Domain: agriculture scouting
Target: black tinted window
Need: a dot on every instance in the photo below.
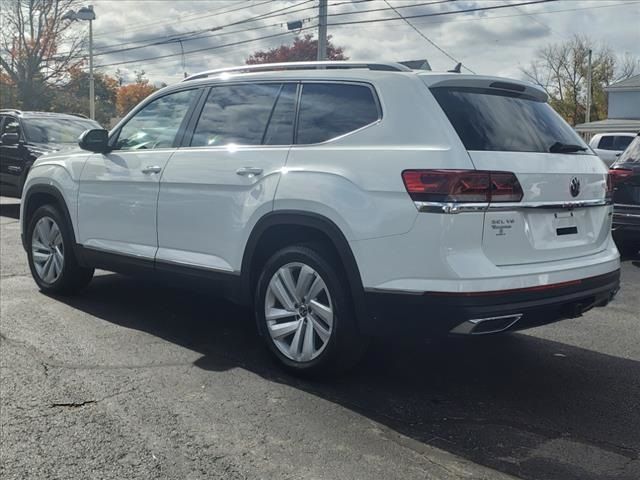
(157, 124)
(499, 121)
(606, 143)
(280, 129)
(56, 130)
(11, 125)
(236, 114)
(330, 110)
(621, 142)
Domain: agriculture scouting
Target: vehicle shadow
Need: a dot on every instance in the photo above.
(505, 402)
(10, 210)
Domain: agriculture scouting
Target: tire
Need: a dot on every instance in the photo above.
(326, 340)
(50, 240)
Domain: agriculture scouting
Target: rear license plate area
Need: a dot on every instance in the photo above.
(565, 223)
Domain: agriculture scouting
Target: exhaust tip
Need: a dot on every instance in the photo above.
(483, 326)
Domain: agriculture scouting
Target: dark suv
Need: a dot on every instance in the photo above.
(24, 136)
(625, 175)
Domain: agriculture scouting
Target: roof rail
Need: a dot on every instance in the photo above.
(13, 110)
(265, 67)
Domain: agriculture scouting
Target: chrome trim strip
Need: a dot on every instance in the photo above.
(626, 205)
(453, 207)
(116, 252)
(196, 266)
(631, 215)
(160, 260)
(468, 326)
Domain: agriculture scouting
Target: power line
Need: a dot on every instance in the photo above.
(185, 18)
(437, 14)
(427, 38)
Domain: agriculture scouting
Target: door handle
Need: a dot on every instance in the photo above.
(249, 171)
(151, 169)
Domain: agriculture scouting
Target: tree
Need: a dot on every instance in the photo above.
(561, 70)
(129, 96)
(72, 96)
(303, 49)
(32, 33)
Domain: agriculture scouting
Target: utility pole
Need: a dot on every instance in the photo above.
(322, 31)
(92, 93)
(587, 117)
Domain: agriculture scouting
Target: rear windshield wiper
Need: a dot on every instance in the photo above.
(560, 147)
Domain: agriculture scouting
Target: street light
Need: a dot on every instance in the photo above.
(87, 13)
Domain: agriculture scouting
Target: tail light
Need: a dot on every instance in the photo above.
(618, 175)
(462, 186)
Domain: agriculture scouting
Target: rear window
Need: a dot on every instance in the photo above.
(606, 143)
(632, 153)
(621, 142)
(503, 121)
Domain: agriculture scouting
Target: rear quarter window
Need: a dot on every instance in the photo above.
(329, 110)
(499, 120)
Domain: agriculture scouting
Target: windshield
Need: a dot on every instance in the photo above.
(631, 154)
(56, 129)
(486, 119)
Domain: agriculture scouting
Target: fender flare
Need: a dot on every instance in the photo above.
(312, 220)
(49, 190)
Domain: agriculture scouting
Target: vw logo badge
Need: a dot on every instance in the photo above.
(574, 187)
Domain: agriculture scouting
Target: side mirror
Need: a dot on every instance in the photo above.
(95, 140)
(10, 138)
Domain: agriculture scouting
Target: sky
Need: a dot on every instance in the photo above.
(493, 42)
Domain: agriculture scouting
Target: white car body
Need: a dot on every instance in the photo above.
(609, 146)
(197, 210)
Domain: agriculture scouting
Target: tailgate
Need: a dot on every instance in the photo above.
(543, 228)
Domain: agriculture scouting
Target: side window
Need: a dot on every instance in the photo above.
(10, 125)
(329, 110)
(280, 129)
(157, 124)
(236, 114)
(621, 142)
(606, 143)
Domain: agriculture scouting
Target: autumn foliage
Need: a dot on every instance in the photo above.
(129, 96)
(304, 49)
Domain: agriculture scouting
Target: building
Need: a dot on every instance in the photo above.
(623, 111)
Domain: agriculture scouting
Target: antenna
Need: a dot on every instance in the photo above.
(456, 69)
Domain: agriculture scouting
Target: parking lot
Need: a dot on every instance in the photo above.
(134, 379)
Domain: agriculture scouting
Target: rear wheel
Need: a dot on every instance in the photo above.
(304, 311)
(52, 261)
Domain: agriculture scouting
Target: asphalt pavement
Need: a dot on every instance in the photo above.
(134, 379)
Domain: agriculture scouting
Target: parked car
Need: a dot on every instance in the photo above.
(609, 146)
(339, 203)
(24, 136)
(625, 176)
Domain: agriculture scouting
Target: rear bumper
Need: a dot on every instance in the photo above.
(438, 313)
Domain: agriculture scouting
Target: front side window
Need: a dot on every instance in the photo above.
(157, 124)
(238, 114)
(329, 110)
(490, 120)
(58, 130)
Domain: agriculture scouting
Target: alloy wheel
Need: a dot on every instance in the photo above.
(47, 250)
(299, 312)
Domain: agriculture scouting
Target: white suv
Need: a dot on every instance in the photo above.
(339, 202)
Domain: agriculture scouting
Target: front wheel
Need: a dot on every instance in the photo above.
(304, 311)
(52, 262)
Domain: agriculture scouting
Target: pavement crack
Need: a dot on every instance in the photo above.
(73, 404)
